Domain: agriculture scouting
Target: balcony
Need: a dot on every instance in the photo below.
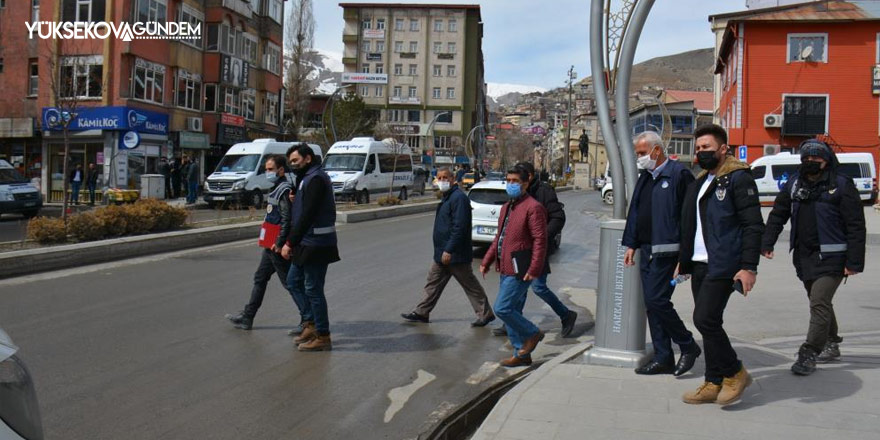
(346, 38)
(446, 56)
(241, 7)
(349, 60)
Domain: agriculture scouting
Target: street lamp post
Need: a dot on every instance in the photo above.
(468, 138)
(431, 131)
(571, 77)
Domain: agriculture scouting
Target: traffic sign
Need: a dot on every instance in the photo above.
(743, 153)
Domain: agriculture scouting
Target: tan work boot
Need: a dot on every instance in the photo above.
(705, 393)
(318, 343)
(307, 334)
(732, 387)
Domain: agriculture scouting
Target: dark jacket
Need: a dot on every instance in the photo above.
(546, 196)
(526, 230)
(839, 222)
(731, 217)
(452, 227)
(82, 176)
(313, 208)
(92, 178)
(192, 172)
(667, 199)
(279, 213)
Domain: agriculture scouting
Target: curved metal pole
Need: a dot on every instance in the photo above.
(468, 138)
(597, 61)
(324, 116)
(627, 55)
(431, 130)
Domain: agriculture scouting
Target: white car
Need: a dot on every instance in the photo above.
(607, 193)
(19, 412)
(486, 200)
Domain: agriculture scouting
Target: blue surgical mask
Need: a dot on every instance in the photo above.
(513, 189)
(272, 177)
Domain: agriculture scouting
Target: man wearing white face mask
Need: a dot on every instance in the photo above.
(453, 255)
(653, 227)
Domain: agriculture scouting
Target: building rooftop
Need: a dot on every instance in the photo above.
(408, 6)
(703, 101)
(828, 10)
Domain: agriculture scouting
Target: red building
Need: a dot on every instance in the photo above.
(792, 72)
(194, 96)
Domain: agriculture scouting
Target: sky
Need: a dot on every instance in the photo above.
(534, 42)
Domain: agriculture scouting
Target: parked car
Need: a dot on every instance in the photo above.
(495, 175)
(19, 412)
(467, 180)
(364, 166)
(607, 193)
(772, 172)
(486, 200)
(17, 194)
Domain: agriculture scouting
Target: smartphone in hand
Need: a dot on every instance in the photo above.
(738, 286)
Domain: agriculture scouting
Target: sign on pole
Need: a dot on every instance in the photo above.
(743, 153)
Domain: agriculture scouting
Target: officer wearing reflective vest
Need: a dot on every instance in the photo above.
(654, 226)
(827, 242)
(311, 245)
(274, 233)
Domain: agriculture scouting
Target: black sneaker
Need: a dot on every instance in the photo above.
(830, 353)
(246, 323)
(500, 331)
(296, 331)
(235, 319)
(805, 364)
(414, 317)
(568, 323)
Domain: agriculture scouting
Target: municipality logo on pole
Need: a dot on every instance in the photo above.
(101, 30)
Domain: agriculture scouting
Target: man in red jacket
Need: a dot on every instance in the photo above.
(518, 251)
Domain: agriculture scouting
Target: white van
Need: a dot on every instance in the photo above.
(17, 194)
(241, 174)
(364, 166)
(772, 172)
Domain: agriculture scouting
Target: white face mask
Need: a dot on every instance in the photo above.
(443, 185)
(646, 163)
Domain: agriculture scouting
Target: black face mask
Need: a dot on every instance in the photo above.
(810, 168)
(707, 160)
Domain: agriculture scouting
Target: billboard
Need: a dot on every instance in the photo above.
(234, 71)
(364, 78)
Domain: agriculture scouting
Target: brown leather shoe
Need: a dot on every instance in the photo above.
(732, 387)
(705, 393)
(530, 344)
(318, 343)
(514, 361)
(307, 335)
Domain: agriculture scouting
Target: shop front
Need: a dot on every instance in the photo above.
(194, 145)
(21, 146)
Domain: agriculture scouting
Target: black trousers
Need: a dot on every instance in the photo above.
(663, 321)
(270, 263)
(710, 300)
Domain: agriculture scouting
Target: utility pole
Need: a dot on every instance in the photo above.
(571, 76)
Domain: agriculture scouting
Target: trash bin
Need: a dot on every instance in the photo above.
(153, 186)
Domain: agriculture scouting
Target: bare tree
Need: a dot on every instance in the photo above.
(513, 146)
(396, 146)
(300, 36)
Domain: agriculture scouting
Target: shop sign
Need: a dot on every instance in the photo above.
(106, 118)
(405, 129)
(193, 141)
(228, 119)
(374, 57)
(374, 33)
(129, 141)
(364, 78)
(230, 134)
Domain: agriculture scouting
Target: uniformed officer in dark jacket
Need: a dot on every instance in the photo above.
(827, 243)
(311, 245)
(654, 226)
(453, 255)
(721, 247)
(277, 213)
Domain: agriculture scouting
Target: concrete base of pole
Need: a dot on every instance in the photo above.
(617, 358)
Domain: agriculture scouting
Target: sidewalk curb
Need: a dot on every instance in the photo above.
(364, 215)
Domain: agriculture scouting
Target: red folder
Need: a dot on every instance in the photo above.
(268, 234)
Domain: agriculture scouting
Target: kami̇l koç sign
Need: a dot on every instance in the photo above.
(106, 118)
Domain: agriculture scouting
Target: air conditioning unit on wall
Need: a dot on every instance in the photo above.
(194, 124)
(770, 150)
(772, 120)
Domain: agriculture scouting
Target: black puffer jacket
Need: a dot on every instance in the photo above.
(546, 196)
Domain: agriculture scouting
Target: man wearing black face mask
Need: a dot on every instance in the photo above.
(720, 245)
(827, 241)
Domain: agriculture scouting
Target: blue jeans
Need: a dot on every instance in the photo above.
(306, 284)
(508, 307)
(539, 286)
(192, 191)
(74, 191)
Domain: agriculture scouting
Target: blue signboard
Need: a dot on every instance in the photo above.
(743, 153)
(107, 118)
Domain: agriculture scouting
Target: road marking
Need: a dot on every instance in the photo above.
(482, 373)
(399, 396)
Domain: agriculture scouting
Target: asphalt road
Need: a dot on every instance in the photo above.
(140, 349)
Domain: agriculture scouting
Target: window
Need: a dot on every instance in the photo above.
(213, 37)
(413, 25)
(412, 92)
(380, 24)
(450, 70)
(398, 46)
(365, 91)
(367, 24)
(366, 46)
(397, 91)
(82, 77)
(450, 93)
(210, 97)
(228, 37)
(398, 69)
(682, 124)
(413, 115)
(807, 47)
(365, 68)
(249, 104)
(148, 10)
(681, 147)
(438, 47)
(441, 142)
(395, 115)
(401, 163)
(272, 58)
(380, 91)
(149, 81)
(413, 69)
(380, 68)
(413, 47)
(450, 48)
(438, 25)
(445, 117)
(398, 24)
(437, 70)
(380, 46)
(33, 77)
(249, 45)
(271, 116)
(783, 171)
(759, 172)
(189, 90)
(804, 115)
(276, 10)
(231, 100)
(453, 25)
(436, 93)
(194, 17)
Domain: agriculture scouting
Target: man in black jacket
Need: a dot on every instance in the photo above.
(92, 183)
(271, 262)
(453, 255)
(827, 241)
(720, 246)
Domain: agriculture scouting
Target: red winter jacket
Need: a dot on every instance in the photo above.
(526, 229)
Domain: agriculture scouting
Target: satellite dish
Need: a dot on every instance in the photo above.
(806, 52)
